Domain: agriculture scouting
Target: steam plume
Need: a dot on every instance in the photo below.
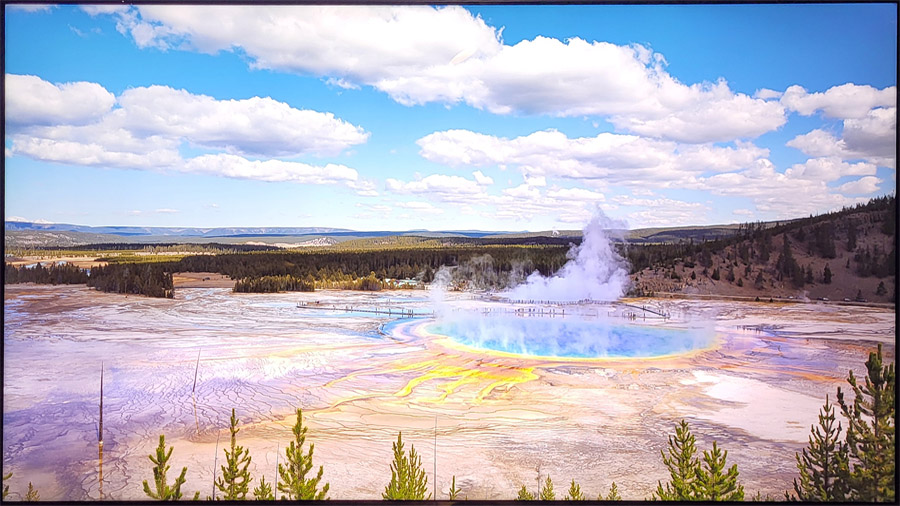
(594, 271)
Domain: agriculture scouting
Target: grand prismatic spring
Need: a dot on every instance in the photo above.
(494, 392)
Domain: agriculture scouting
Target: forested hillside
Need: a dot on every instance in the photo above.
(849, 254)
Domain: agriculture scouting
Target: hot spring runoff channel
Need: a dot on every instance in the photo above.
(568, 338)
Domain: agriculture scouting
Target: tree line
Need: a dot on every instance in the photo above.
(858, 468)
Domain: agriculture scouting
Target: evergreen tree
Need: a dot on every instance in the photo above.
(851, 236)
(546, 493)
(881, 290)
(574, 493)
(163, 491)
(613, 494)
(682, 464)
(524, 495)
(263, 492)
(293, 483)
(32, 494)
(827, 275)
(715, 275)
(454, 492)
(870, 433)
(235, 479)
(823, 464)
(408, 480)
(715, 484)
(6, 477)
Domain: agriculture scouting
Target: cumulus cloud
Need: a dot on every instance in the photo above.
(238, 167)
(701, 114)
(862, 186)
(256, 126)
(32, 101)
(828, 169)
(439, 186)
(779, 195)
(420, 207)
(84, 124)
(662, 211)
(95, 10)
(767, 94)
(423, 54)
(872, 137)
(30, 7)
(843, 102)
(611, 158)
(482, 179)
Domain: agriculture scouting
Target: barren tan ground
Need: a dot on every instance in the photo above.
(502, 420)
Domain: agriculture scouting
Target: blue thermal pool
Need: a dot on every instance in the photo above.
(558, 337)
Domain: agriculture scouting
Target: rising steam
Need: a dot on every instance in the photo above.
(594, 271)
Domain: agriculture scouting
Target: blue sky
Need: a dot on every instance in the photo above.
(483, 117)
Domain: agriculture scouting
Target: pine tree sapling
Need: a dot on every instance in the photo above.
(163, 491)
(263, 491)
(524, 495)
(546, 492)
(823, 465)
(32, 494)
(870, 432)
(682, 465)
(293, 483)
(613, 493)
(408, 479)
(454, 492)
(235, 479)
(713, 482)
(6, 478)
(574, 493)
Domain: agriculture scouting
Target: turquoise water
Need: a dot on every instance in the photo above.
(557, 337)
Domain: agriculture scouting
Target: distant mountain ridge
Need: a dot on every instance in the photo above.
(38, 234)
(171, 231)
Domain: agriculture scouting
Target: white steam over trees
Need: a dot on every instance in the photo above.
(594, 271)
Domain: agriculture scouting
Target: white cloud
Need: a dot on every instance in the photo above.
(701, 114)
(166, 211)
(269, 170)
(576, 194)
(843, 102)
(662, 211)
(256, 126)
(149, 125)
(611, 158)
(482, 179)
(862, 186)
(742, 212)
(30, 100)
(767, 94)
(872, 137)
(420, 207)
(78, 121)
(422, 54)
(781, 196)
(95, 10)
(828, 169)
(30, 7)
(439, 186)
(82, 151)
